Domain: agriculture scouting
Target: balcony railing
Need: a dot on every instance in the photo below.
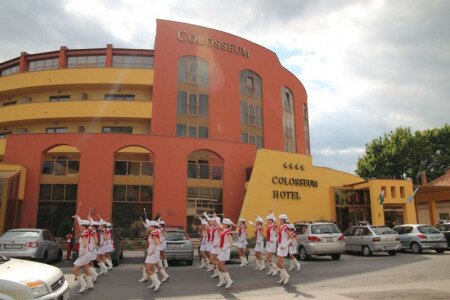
(205, 171)
(133, 168)
(60, 167)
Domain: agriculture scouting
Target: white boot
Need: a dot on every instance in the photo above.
(94, 274)
(152, 281)
(109, 263)
(291, 264)
(164, 274)
(245, 260)
(297, 264)
(241, 258)
(216, 272)
(90, 284)
(83, 284)
(258, 265)
(286, 276)
(281, 277)
(103, 268)
(270, 268)
(210, 266)
(275, 268)
(165, 264)
(221, 279)
(156, 281)
(144, 276)
(261, 263)
(203, 264)
(228, 280)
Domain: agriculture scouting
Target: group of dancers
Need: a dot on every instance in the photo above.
(217, 238)
(95, 244)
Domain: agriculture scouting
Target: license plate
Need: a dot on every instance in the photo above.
(10, 246)
(329, 239)
(175, 246)
(389, 248)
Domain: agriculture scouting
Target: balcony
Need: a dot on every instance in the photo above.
(75, 110)
(30, 82)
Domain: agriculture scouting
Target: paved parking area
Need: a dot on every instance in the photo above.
(405, 276)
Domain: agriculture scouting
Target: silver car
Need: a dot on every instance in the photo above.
(179, 246)
(31, 243)
(320, 239)
(21, 279)
(369, 239)
(419, 237)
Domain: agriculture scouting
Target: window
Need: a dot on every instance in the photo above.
(287, 101)
(192, 131)
(181, 130)
(306, 121)
(86, 61)
(60, 166)
(117, 129)
(59, 98)
(251, 109)
(44, 64)
(4, 134)
(132, 193)
(192, 70)
(182, 103)
(56, 130)
(119, 97)
(393, 194)
(58, 192)
(10, 70)
(128, 61)
(130, 168)
(402, 192)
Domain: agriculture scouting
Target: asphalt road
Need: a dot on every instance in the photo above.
(405, 276)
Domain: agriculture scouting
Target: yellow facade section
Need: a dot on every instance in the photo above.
(396, 194)
(38, 112)
(76, 79)
(2, 147)
(8, 171)
(289, 183)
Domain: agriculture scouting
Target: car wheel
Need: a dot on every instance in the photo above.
(392, 253)
(303, 254)
(45, 257)
(439, 250)
(336, 256)
(59, 257)
(189, 262)
(416, 248)
(366, 251)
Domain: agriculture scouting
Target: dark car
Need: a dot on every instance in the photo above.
(445, 229)
(179, 246)
(117, 253)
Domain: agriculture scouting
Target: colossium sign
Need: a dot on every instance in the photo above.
(183, 36)
(291, 181)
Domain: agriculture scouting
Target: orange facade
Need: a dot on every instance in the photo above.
(227, 56)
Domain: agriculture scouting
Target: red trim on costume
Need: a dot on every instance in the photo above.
(223, 235)
(280, 230)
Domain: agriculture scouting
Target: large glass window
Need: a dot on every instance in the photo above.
(117, 129)
(93, 61)
(59, 98)
(10, 70)
(56, 130)
(306, 121)
(119, 97)
(287, 101)
(44, 64)
(128, 61)
(192, 98)
(251, 109)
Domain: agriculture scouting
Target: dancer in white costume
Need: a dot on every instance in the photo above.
(203, 244)
(259, 243)
(271, 243)
(293, 248)
(163, 244)
(226, 240)
(84, 257)
(284, 239)
(152, 257)
(242, 241)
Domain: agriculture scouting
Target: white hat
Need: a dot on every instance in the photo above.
(162, 222)
(241, 220)
(283, 216)
(95, 223)
(84, 222)
(152, 223)
(204, 222)
(108, 224)
(259, 219)
(102, 222)
(227, 222)
(218, 220)
(271, 217)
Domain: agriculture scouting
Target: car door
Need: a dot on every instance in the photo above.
(407, 237)
(401, 232)
(47, 244)
(348, 238)
(358, 239)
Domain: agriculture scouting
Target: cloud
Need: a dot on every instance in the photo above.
(368, 66)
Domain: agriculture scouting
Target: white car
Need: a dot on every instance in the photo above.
(37, 280)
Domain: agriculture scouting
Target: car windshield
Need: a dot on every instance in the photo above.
(20, 234)
(427, 229)
(324, 229)
(175, 236)
(383, 230)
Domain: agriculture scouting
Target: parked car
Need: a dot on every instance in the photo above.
(368, 239)
(117, 253)
(179, 246)
(419, 237)
(41, 280)
(320, 239)
(445, 229)
(31, 243)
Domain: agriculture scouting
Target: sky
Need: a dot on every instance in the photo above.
(368, 66)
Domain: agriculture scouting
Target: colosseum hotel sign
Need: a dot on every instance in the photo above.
(286, 182)
(183, 36)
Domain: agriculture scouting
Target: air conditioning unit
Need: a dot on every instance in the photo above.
(84, 96)
(80, 128)
(20, 131)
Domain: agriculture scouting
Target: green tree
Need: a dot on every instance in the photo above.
(401, 154)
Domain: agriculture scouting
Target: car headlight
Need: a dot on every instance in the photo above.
(37, 287)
